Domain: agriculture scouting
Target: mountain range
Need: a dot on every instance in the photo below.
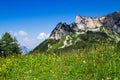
(84, 33)
(24, 49)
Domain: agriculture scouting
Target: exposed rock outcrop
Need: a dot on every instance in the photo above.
(92, 22)
(84, 23)
(60, 30)
(110, 21)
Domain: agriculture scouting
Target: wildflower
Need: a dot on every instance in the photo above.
(108, 78)
(84, 61)
(103, 79)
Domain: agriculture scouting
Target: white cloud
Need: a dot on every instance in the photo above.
(42, 36)
(20, 33)
(26, 39)
(15, 34)
(29, 41)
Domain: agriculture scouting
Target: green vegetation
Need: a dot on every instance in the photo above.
(8, 45)
(75, 41)
(115, 36)
(44, 46)
(89, 56)
(97, 64)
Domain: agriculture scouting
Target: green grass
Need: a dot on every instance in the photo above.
(100, 64)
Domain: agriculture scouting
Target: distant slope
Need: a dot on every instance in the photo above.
(24, 49)
(44, 46)
(75, 42)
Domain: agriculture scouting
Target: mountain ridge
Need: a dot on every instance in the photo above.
(24, 49)
(84, 31)
(83, 23)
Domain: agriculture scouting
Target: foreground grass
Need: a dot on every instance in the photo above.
(93, 65)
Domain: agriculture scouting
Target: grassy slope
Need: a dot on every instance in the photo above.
(43, 47)
(97, 64)
(94, 57)
(78, 41)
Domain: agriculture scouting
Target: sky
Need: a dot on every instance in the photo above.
(31, 21)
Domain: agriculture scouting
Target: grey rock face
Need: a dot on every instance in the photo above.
(73, 27)
(59, 31)
(110, 21)
(63, 29)
(84, 23)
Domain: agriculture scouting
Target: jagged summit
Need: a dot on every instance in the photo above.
(60, 30)
(110, 21)
(78, 19)
(83, 23)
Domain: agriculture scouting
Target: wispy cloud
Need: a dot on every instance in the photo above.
(42, 36)
(30, 42)
(26, 39)
(20, 33)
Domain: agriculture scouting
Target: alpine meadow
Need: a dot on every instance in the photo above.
(43, 40)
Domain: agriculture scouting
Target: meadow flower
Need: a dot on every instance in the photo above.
(108, 78)
(102, 79)
(84, 61)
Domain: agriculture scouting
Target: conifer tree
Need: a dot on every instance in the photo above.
(8, 45)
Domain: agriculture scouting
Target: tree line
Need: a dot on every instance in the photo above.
(9, 45)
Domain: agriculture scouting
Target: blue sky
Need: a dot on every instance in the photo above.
(31, 21)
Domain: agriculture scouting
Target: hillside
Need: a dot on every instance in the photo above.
(74, 42)
(97, 64)
(85, 33)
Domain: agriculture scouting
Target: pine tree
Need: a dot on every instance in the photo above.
(9, 45)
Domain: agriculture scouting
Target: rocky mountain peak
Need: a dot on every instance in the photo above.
(78, 19)
(83, 22)
(60, 30)
(110, 21)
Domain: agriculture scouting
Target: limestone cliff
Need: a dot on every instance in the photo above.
(110, 21)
